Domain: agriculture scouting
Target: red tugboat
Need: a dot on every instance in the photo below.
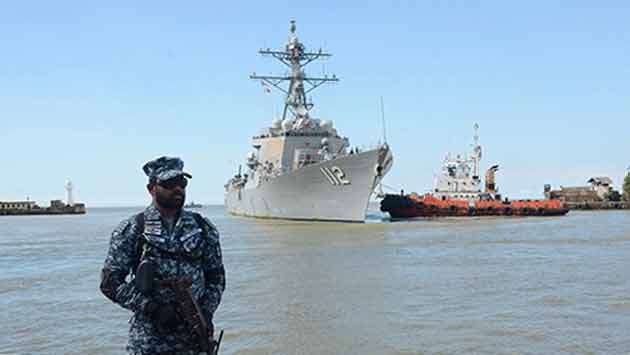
(457, 192)
(410, 206)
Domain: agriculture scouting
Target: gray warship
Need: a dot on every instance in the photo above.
(300, 167)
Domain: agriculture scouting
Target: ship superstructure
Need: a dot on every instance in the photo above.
(459, 177)
(300, 166)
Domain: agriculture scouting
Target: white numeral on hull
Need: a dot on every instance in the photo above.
(335, 175)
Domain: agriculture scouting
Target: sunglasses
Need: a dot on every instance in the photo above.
(172, 183)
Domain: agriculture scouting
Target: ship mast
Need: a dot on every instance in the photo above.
(476, 152)
(296, 58)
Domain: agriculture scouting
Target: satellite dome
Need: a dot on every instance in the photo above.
(276, 124)
(324, 141)
(287, 124)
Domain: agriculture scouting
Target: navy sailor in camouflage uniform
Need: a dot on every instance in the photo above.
(181, 243)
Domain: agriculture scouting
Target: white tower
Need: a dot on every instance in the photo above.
(68, 186)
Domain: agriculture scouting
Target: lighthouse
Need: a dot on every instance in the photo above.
(68, 186)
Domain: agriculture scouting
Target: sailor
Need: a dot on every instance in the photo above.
(165, 242)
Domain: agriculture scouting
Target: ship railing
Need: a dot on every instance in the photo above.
(365, 147)
(297, 134)
(306, 134)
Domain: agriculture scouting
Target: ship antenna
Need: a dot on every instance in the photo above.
(383, 121)
(477, 151)
(295, 56)
(476, 136)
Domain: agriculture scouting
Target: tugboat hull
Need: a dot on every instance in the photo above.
(411, 206)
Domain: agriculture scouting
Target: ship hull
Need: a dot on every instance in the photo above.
(334, 190)
(403, 207)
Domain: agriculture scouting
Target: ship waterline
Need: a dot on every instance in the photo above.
(333, 190)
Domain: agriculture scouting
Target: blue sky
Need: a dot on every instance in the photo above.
(91, 92)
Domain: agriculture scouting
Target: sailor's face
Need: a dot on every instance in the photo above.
(171, 193)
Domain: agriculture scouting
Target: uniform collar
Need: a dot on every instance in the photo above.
(151, 213)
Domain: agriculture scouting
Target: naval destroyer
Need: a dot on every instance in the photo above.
(301, 167)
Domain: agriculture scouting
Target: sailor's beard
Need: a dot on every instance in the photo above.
(171, 200)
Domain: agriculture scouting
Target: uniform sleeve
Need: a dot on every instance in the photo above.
(214, 271)
(121, 257)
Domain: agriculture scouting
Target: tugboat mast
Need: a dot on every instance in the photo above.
(476, 152)
(295, 57)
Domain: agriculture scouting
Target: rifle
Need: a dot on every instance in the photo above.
(189, 308)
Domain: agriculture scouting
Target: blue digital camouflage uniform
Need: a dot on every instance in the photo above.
(189, 250)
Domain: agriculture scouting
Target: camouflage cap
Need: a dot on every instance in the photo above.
(164, 168)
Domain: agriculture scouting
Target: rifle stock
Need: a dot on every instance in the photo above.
(193, 315)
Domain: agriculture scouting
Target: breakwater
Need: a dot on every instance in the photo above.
(30, 208)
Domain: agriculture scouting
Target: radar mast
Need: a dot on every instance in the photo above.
(476, 152)
(296, 58)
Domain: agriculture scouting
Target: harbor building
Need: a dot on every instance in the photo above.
(602, 185)
(596, 191)
(599, 194)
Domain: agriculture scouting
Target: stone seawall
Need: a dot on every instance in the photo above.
(607, 205)
(77, 209)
